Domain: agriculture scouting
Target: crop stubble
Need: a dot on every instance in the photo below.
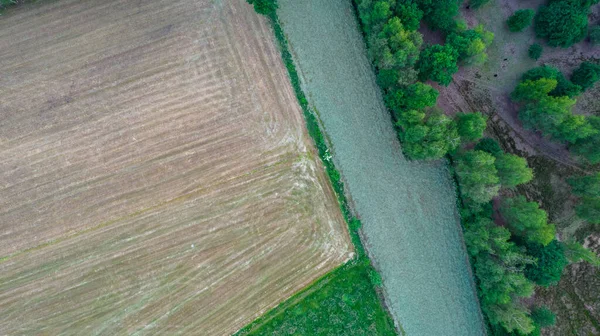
(155, 172)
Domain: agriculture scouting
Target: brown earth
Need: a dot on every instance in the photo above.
(156, 176)
(487, 89)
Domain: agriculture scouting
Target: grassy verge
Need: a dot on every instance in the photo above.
(348, 300)
(343, 302)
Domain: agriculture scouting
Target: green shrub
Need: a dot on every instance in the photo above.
(520, 20)
(562, 23)
(588, 209)
(535, 51)
(586, 75)
(543, 317)
(265, 7)
(585, 186)
(512, 170)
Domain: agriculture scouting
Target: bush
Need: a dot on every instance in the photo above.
(551, 261)
(265, 7)
(586, 75)
(535, 51)
(438, 63)
(562, 23)
(543, 317)
(520, 20)
(594, 34)
(585, 186)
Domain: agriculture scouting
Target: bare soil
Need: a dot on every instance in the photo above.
(156, 176)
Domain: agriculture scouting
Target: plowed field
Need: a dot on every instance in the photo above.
(156, 176)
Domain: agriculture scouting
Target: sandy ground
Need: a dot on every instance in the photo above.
(155, 173)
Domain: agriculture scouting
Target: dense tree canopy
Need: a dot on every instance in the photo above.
(527, 221)
(563, 86)
(471, 126)
(512, 170)
(549, 265)
(520, 20)
(586, 75)
(478, 176)
(562, 22)
(438, 63)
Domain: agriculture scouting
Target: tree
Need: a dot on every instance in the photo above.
(419, 96)
(471, 126)
(585, 186)
(561, 23)
(438, 63)
(535, 51)
(436, 137)
(409, 13)
(588, 147)
(520, 20)
(563, 87)
(589, 209)
(489, 145)
(512, 170)
(595, 35)
(478, 176)
(394, 46)
(533, 90)
(551, 261)
(586, 75)
(265, 7)
(471, 44)
(440, 14)
(527, 221)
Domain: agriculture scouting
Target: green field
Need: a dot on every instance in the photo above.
(341, 303)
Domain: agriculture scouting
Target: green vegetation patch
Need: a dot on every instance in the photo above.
(343, 302)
